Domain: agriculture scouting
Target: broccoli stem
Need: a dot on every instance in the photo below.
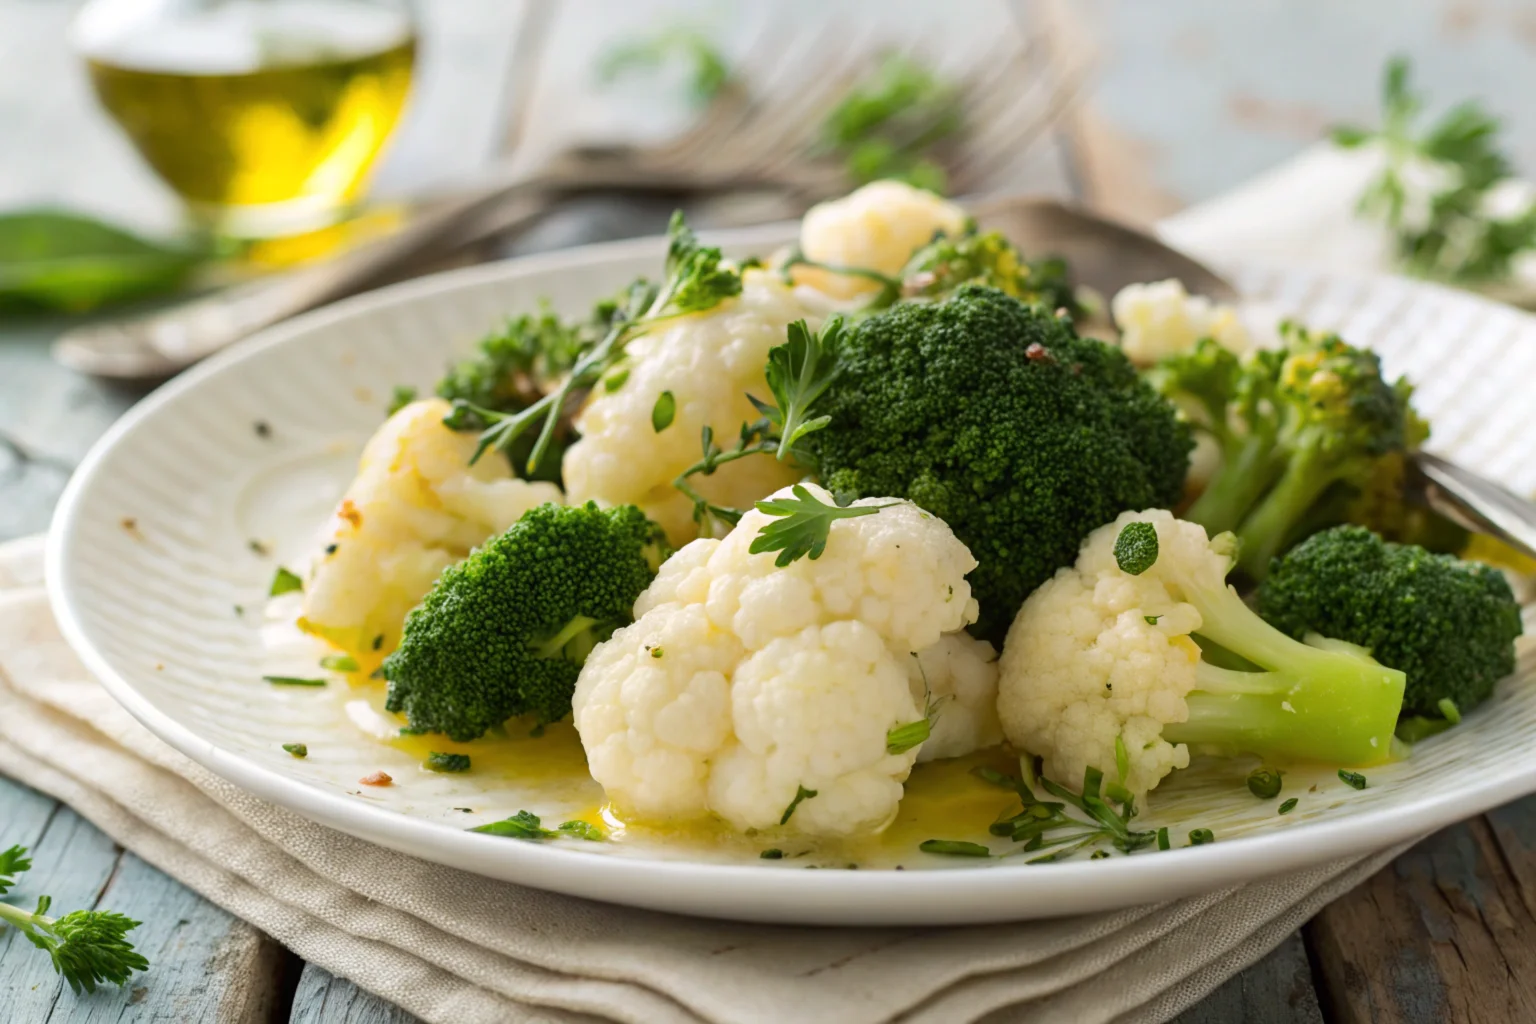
(573, 640)
(1249, 467)
(1318, 701)
(1266, 530)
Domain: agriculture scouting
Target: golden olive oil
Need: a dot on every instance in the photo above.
(264, 117)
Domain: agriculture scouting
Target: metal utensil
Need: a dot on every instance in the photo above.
(741, 141)
(1107, 256)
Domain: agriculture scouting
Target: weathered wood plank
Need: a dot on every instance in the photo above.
(323, 998)
(1276, 990)
(1443, 934)
(204, 964)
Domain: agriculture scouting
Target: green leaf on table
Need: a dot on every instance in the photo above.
(50, 259)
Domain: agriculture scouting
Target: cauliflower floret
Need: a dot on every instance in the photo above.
(956, 679)
(740, 683)
(710, 362)
(1162, 319)
(415, 507)
(877, 227)
(1100, 669)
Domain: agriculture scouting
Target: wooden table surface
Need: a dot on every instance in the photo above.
(1192, 97)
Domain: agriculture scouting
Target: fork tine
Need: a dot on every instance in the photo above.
(1018, 131)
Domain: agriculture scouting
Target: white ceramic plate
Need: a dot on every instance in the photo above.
(150, 606)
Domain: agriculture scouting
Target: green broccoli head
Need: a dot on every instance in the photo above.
(1302, 425)
(1449, 625)
(946, 263)
(505, 631)
(994, 415)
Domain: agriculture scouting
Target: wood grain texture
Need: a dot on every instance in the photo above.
(323, 998)
(1446, 933)
(1276, 990)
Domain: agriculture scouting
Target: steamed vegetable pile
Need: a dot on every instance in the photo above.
(773, 533)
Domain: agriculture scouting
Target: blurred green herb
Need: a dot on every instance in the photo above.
(1434, 192)
(61, 261)
(891, 122)
(708, 71)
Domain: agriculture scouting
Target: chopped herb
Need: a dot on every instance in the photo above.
(772, 854)
(257, 547)
(466, 810)
(263, 429)
(1136, 547)
(239, 610)
(1352, 779)
(378, 641)
(1289, 805)
(284, 582)
(411, 730)
(803, 526)
(663, 412)
(614, 381)
(656, 652)
(293, 681)
(522, 825)
(954, 848)
(904, 737)
(1152, 620)
(1162, 838)
(1264, 782)
(801, 794)
(330, 549)
(296, 749)
(1201, 836)
(1045, 825)
(437, 762)
(339, 663)
(1098, 855)
(578, 829)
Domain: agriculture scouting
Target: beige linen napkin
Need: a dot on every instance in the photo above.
(450, 946)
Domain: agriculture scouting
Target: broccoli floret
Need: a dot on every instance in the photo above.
(1297, 428)
(1449, 625)
(944, 264)
(505, 631)
(994, 415)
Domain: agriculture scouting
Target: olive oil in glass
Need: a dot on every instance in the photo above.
(266, 116)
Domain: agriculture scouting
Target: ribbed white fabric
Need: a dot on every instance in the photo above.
(454, 947)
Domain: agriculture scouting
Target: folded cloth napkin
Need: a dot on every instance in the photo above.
(450, 946)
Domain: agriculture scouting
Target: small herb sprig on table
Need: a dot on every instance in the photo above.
(87, 947)
(1452, 233)
(696, 280)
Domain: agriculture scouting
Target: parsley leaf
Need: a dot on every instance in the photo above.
(803, 526)
(801, 794)
(799, 372)
(284, 582)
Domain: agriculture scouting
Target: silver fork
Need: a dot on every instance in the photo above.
(744, 139)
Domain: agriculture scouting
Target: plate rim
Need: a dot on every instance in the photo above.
(960, 895)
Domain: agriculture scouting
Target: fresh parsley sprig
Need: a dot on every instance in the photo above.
(87, 947)
(1042, 825)
(696, 280)
(802, 525)
(526, 825)
(1451, 233)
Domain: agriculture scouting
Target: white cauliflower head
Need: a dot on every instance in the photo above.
(877, 227)
(709, 361)
(741, 683)
(415, 507)
(1161, 319)
(956, 679)
(1097, 655)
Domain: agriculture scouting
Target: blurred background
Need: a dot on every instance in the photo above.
(155, 149)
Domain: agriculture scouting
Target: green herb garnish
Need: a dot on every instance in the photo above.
(1201, 836)
(339, 663)
(804, 525)
(437, 762)
(663, 412)
(578, 829)
(904, 737)
(772, 854)
(298, 750)
(1264, 783)
(293, 681)
(1289, 805)
(1352, 779)
(954, 848)
(801, 794)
